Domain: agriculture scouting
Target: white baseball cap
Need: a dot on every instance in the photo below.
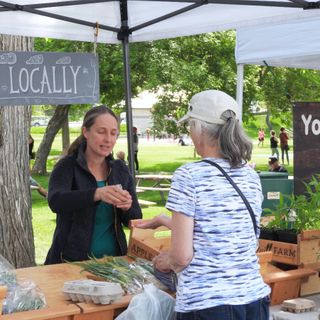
(209, 105)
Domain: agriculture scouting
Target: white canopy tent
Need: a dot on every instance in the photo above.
(293, 44)
(124, 21)
(144, 19)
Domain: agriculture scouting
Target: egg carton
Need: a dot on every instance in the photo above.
(298, 305)
(99, 292)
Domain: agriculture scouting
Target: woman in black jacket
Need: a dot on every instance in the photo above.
(92, 194)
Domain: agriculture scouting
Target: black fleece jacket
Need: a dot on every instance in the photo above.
(71, 192)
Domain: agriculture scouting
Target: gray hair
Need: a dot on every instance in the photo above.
(233, 143)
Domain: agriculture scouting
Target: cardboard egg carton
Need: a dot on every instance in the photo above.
(298, 305)
(99, 292)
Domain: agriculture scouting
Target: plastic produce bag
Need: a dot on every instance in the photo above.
(7, 275)
(21, 295)
(151, 304)
(5, 265)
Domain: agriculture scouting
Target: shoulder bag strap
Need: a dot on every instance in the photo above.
(239, 192)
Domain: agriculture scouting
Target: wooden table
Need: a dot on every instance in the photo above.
(50, 280)
(157, 178)
(161, 183)
(146, 203)
(90, 311)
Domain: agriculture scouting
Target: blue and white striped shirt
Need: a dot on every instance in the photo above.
(224, 268)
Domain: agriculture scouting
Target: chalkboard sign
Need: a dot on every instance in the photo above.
(39, 78)
(306, 141)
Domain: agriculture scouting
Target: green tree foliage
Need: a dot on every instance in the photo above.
(179, 68)
(281, 87)
(110, 69)
(185, 66)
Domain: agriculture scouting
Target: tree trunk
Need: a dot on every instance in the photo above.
(65, 135)
(16, 233)
(268, 120)
(54, 125)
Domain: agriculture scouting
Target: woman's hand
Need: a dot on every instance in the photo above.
(156, 222)
(161, 262)
(114, 195)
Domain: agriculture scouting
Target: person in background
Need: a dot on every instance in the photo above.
(148, 130)
(261, 135)
(121, 156)
(42, 191)
(33, 183)
(181, 141)
(135, 147)
(214, 241)
(274, 144)
(31, 145)
(275, 166)
(283, 136)
(92, 194)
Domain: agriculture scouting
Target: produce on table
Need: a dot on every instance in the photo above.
(131, 276)
(21, 295)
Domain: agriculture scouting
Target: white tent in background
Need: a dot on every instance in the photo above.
(293, 44)
(124, 21)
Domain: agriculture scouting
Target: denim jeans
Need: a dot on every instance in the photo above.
(257, 310)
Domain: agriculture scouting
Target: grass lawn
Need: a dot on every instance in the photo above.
(154, 157)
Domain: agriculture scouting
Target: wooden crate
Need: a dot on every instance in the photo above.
(282, 252)
(286, 284)
(310, 258)
(311, 285)
(305, 252)
(148, 243)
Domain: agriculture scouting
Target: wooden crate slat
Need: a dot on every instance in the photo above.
(282, 252)
(309, 251)
(310, 234)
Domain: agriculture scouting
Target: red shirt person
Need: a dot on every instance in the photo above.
(283, 136)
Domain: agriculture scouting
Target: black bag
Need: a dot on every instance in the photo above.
(286, 147)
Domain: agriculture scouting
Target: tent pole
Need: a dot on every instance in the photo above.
(240, 74)
(127, 82)
(123, 35)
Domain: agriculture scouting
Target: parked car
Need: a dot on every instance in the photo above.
(39, 121)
